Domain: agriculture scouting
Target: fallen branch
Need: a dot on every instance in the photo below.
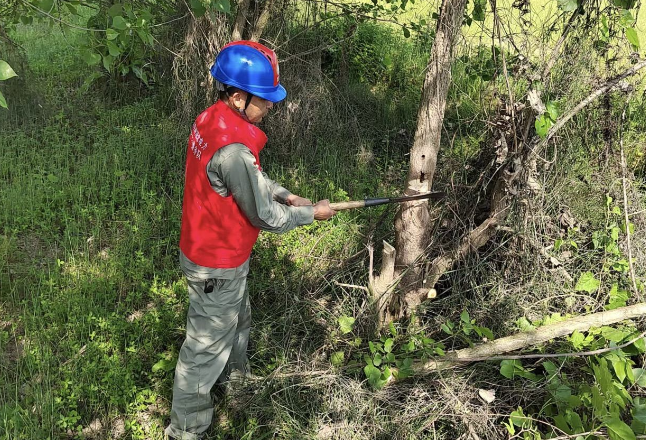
(522, 340)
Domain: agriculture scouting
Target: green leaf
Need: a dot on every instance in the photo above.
(71, 8)
(388, 345)
(346, 324)
(620, 369)
(46, 5)
(464, 317)
(524, 325)
(376, 361)
(507, 368)
(393, 330)
(484, 331)
(562, 393)
(587, 283)
(164, 365)
(119, 23)
(90, 57)
(550, 368)
(625, 4)
(552, 110)
(639, 410)
(617, 297)
(222, 6)
(618, 430)
(113, 49)
(479, 7)
(614, 334)
(6, 71)
(519, 419)
(574, 420)
(577, 340)
(633, 38)
(198, 8)
(410, 346)
(372, 373)
(111, 34)
(640, 376)
(567, 5)
(337, 358)
(542, 125)
(406, 32)
(115, 10)
(3, 101)
(107, 62)
(626, 19)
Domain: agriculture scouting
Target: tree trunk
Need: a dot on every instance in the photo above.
(413, 222)
(241, 20)
(262, 21)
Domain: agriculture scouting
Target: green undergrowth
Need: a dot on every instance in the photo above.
(92, 301)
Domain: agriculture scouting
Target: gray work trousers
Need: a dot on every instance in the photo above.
(217, 334)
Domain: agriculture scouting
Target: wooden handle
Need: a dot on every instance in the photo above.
(341, 206)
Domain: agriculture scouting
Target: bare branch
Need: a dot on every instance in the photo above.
(490, 350)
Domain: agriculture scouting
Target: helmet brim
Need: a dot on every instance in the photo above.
(276, 96)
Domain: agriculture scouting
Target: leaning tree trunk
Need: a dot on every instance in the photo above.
(413, 222)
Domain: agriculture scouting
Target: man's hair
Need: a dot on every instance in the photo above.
(228, 91)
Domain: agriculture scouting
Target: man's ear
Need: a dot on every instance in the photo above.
(238, 99)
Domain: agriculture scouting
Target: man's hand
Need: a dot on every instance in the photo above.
(322, 210)
(294, 200)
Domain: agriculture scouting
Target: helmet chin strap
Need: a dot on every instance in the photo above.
(243, 111)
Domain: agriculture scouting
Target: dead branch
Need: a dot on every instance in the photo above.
(528, 339)
(623, 186)
(557, 47)
(594, 95)
(501, 200)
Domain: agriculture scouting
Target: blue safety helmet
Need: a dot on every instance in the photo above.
(251, 67)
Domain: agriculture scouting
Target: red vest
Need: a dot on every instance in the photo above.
(215, 233)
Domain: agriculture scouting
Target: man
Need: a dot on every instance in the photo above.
(228, 199)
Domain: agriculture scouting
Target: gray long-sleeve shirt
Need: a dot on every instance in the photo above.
(233, 171)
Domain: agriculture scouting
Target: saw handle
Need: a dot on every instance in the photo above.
(342, 206)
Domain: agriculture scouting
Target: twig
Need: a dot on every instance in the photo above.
(623, 185)
(582, 434)
(504, 69)
(559, 43)
(594, 95)
(170, 21)
(352, 286)
(60, 20)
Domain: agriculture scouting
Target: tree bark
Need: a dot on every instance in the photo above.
(262, 21)
(413, 222)
(241, 20)
(528, 339)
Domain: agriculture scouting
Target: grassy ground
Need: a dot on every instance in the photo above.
(92, 302)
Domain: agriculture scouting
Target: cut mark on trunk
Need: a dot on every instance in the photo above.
(421, 174)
